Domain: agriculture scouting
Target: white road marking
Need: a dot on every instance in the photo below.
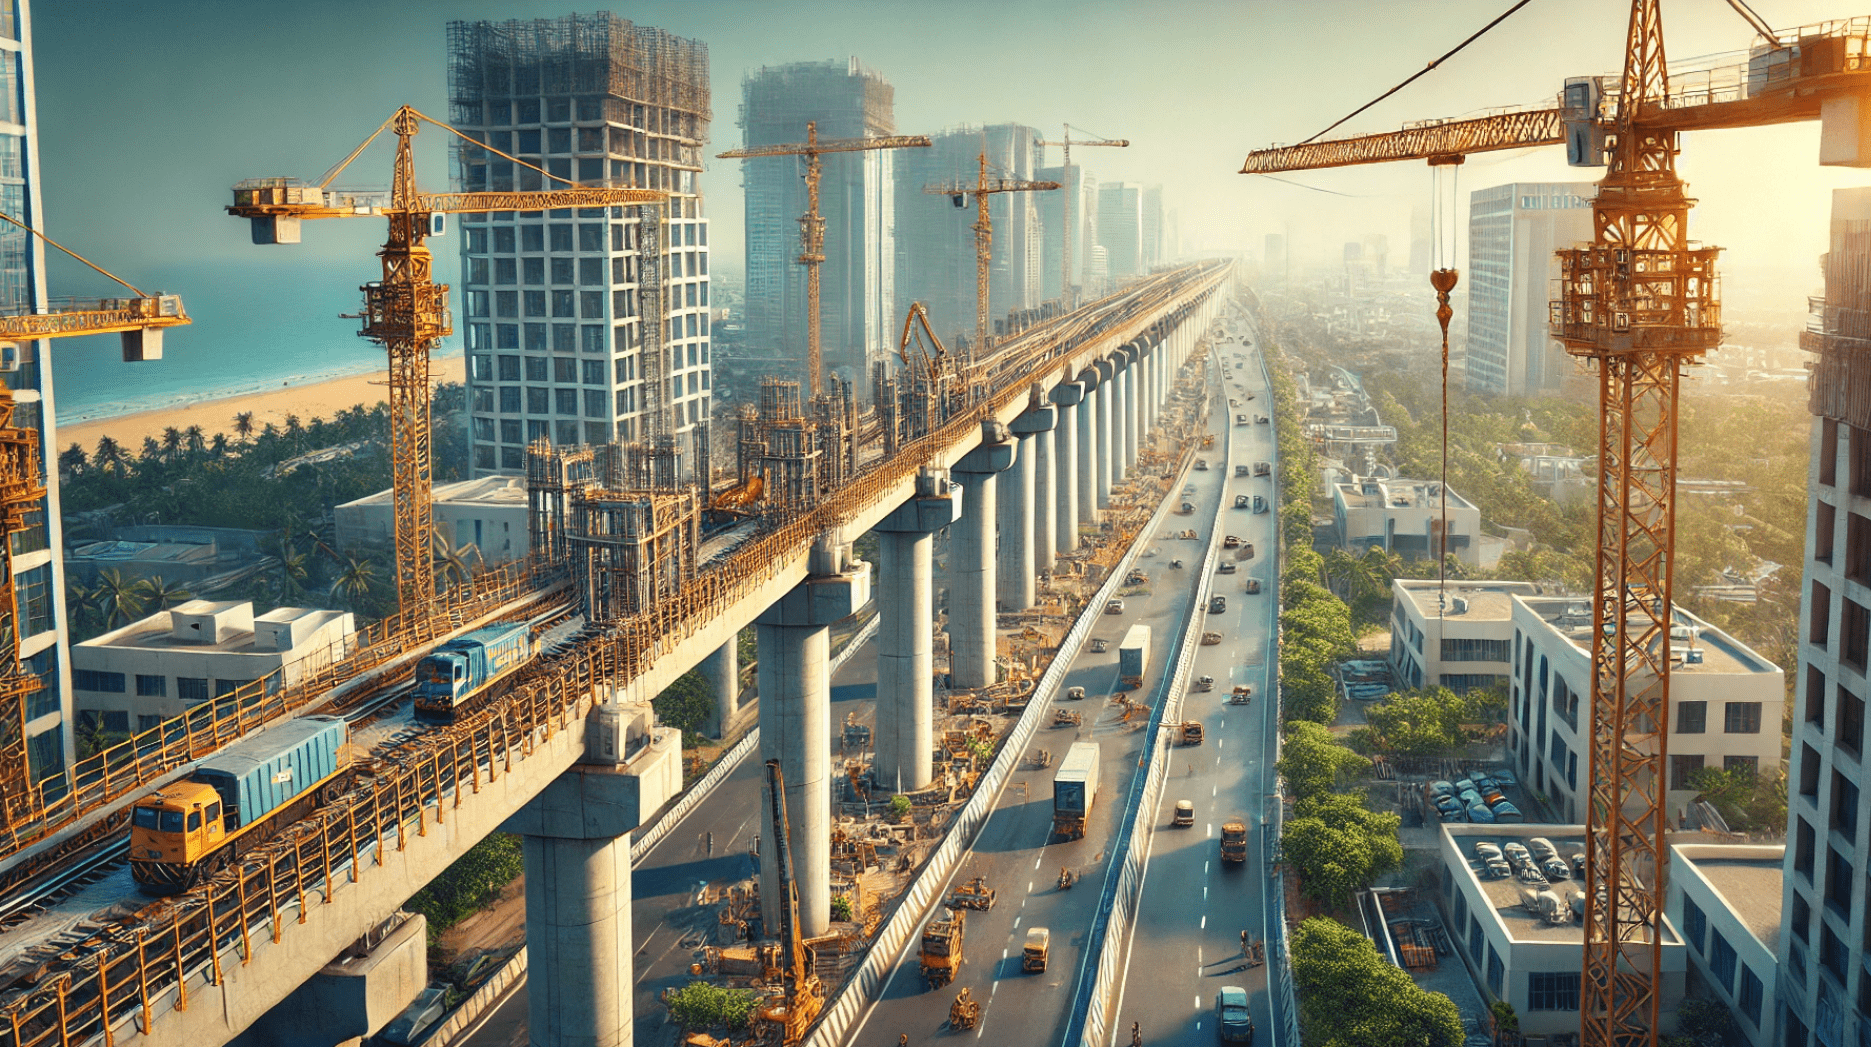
(1037, 859)
(1205, 892)
(1198, 1003)
(1220, 742)
(1214, 790)
(1016, 923)
(1029, 887)
(1208, 829)
(1204, 868)
(1205, 922)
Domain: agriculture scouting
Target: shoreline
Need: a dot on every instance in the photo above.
(315, 399)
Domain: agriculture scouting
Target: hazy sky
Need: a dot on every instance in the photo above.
(149, 112)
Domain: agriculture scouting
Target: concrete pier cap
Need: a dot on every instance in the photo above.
(1037, 419)
(995, 452)
(1067, 394)
(823, 599)
(937, 504)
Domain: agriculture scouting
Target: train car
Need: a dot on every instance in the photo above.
(463, 667)
(236, 800)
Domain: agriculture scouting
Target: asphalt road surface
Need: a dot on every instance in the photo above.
(1186, 941)
(1014, 849)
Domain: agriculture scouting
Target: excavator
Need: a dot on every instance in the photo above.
(802, 996)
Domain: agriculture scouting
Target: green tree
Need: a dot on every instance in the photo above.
(1337, 845)
(1747, 800)
(687, 704)
(1313, 763)
(164, 594)
(470, 883)
(72, 460)
(1350, 997)
(243, 426)
(356, 576)
(119, 598)
(705, 1005)
(1425, 721)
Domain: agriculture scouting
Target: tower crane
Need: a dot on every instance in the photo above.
(1065, 144)
(812, 224)
(140, 321)
(407, 311)
(1639, 305)
(959, 192)
(803, 996)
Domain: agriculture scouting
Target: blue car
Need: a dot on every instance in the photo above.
(1505, 811)
(1231, 1016)
(1506, 779)
(1481, 815)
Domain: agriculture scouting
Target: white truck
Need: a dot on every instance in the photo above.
(1074, 788)
(1133, 654)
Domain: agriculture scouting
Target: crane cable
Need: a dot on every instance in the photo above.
(1443, 278)
(74, 254)
(1451, 53)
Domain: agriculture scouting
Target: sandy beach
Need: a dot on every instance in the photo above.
(309, 401)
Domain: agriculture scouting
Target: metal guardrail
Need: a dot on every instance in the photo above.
(129, 972)
(1094, 1006)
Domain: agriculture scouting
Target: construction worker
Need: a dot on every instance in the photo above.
(1136, 1035)
(903, 1040)
(1244, 951)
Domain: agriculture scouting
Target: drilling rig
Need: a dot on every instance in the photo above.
(801, 996)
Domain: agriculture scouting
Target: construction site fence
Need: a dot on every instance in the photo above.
(930, 885)
(131, 970)
(1094, 1009)
(98, 780)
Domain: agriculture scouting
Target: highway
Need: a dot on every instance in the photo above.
(1014, 850)
(1186, 940)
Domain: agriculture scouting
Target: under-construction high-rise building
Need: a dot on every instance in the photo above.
(1076, 203)
(1120, 230)
(935, 253)
(1150, 207)
(857, 306)
(583, 327)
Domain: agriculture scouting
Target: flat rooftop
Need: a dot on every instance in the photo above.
(1398, 494)
(1571, 617)
(1505, 894)
(1750, 886)
(1482, 604)
(157, 633)
(497, 491)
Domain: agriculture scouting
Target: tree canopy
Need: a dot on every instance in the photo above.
(1350, 997)
(705, 1005)
(1336, 846)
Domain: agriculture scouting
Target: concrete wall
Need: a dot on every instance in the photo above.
(1751, 954)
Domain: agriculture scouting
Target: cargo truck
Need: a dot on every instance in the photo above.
(463, 667)
(236, 800)
(940, 958)
(1074, 788)
(1133, 654)
(1234, 841)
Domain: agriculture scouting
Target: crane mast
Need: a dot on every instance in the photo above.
(803, 995)
(1065, 212)
(1638, 304)
(984, 231)
(406, 311)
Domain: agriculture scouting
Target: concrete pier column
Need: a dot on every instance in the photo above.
(905, 740)
(1086, 423)
(722, 669)
(575, 838)
(1120, 408)
(972, 552)
(1068, 469)
(1045, 500)
(1133, 405)
(1103, 460)
(794, 672)
(1019, 503)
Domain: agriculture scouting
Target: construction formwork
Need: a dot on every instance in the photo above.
(631, 549)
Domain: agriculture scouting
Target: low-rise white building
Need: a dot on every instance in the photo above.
(1402, 516)
(1725, 899)
(1515, 953)
(1726, 701)
(488, 513)
(135, 677)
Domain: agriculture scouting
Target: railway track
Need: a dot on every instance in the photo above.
(62, 881)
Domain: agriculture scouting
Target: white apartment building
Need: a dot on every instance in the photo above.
(489, 513)
(1513, 232)
(135, 677)
(1402, 516)
(1514, 953)
(1725, 901)
(1726, 700)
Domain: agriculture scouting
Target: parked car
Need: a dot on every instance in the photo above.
(1506, 779)
(1449, 809)
(1099, 645)
(1075, 694)
(1505, 811)
(1441, 789)
(1480, 814)
(1469, 797)
(1463, 785)
(1253, 586)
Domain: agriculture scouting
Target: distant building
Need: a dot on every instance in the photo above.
(1056, 210)
(935, 253)
(1422, 242)
(554, 305)
(1513, 231)
(1402, 516)
(1826, 991)
(135, 677)
(857, 196)
(1514, 952)
(1556, 473)
(1153, 228)
(489, 513)
(1725, 900)
(1120, 230)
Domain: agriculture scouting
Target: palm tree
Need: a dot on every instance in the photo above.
(218, 445)
(120, 599)
(165, 594)
(354, 581)
(295, 429)
(292, 570)
(243, 425)
(73, 461)
(152, 451)
(171, 443)
(109, 456)
(197, 439)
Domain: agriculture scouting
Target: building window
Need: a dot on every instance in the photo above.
(1844, 806)
(1475, 941)
(1825, 523)
(1681, 767)
(1751, 995)
(1815, 697)
(1495, 971)
(147, 723)
(1741, 718)
(1722, 962)
(1850, 729)
(1819, 622)
(97, 682)
(537, 400)
(152, 686)
(1831, 951)
(1809, 772)
(1802, 918)
(1860, 450)
(1692, 717)
(1803, 848)
(1838, 880)
(1695, 924)
(191, 688)
(222, 687)
(1750, 764)
(1855, 630)
(1828, 451)
(1553, 991)
(34, 592)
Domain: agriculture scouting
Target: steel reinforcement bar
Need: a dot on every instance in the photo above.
(135, 968)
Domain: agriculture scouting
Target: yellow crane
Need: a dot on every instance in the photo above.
(407, 311)
(1065, 215)
(802, 995)
(983, 188)
(1639, 305)
(812, 224)
(140, 320)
